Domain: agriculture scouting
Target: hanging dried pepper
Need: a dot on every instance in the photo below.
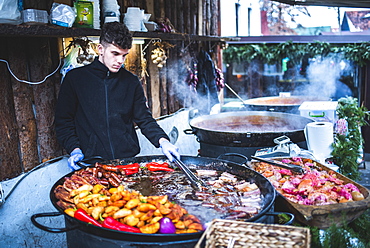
(220, 83)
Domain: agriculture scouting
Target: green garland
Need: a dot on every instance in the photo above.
(347, 147)
(359, 53)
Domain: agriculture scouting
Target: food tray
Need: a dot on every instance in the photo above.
(326, 215)
(220, 233)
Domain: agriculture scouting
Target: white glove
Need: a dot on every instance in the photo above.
(76, 156)
(170, 150)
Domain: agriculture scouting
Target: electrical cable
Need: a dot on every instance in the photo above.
(3, 199)
(28, 82)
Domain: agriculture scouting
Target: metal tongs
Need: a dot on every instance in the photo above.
(292, 167)
(194, 179)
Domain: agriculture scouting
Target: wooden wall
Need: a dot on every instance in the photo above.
(27, 110)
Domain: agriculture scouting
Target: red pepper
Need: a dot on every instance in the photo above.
(81, 215)
(159, 168)
(130, 172)
(165, 164)
(111, 223)
(134, 166)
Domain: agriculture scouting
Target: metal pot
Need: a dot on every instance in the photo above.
(267, 190)
(279, 104)
(248, 128)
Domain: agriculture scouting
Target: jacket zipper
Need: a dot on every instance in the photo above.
(107, 114)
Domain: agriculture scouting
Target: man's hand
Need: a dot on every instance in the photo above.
(76, 156)
(170, 150)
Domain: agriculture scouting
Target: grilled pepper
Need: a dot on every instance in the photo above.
(159, 168)
(134, 166)
(82, 215)
(129, 169)
(154, 166)
(111, 223)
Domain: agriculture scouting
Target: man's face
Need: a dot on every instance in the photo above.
(112, 56)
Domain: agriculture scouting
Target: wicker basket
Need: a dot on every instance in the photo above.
(221, 233)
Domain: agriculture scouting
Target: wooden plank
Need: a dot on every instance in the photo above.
(193, 16)
(180, 16)
(200, 18)
(40, 65)
(23, 103)
(214, 11)
(186, 16)
(150, 9)
(154, 81)
(208, 17)
(172, 82)
(10, 162)
(163, 95)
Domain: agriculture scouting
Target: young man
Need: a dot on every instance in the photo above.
(99, 105)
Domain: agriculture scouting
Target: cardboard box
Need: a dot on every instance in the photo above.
(84, 14)
(319, 110)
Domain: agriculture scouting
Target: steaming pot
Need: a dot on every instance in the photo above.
(248, 128)
(279, 104)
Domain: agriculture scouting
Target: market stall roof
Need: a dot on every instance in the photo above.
(331, 3)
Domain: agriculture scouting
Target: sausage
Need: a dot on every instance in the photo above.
(115, 176)
(104, 182)
(113, 182)
(109, 168)
(95, 172)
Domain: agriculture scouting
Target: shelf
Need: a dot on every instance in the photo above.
(49, 30)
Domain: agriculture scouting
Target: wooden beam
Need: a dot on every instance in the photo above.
(23, 103)
(40, 65)
(10, 162)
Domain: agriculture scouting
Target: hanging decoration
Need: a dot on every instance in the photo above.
(159, 56)
(220, 82)
(192, 77)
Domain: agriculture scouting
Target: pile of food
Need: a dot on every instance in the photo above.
(148, 197)
(313, 187)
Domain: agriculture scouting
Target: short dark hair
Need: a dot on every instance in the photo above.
(116, 33)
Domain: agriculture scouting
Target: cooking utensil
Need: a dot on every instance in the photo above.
(89, 161)
(194, 180)
(288, 104)
(248, 128)
(267, 190)
(292, 167)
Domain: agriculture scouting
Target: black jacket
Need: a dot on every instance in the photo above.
(97, 110)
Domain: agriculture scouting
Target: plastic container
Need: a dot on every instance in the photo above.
(35, 16)
(319, 110)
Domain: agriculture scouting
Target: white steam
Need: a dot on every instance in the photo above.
(323, 75)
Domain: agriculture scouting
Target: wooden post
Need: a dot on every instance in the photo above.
(186, 16)
(150, 9)
(214, 18)
(163, 90)
(193, 16)
(40, 65)
(23, 103)
(154, 87)
(10, 162)
(200, 18)
(179, 16)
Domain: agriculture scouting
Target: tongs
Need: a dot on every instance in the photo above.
(89, 161)
(292, 167)
(194, 179)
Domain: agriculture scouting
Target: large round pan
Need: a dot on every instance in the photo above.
(267, 190)
(248, 128)
(289, 104)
